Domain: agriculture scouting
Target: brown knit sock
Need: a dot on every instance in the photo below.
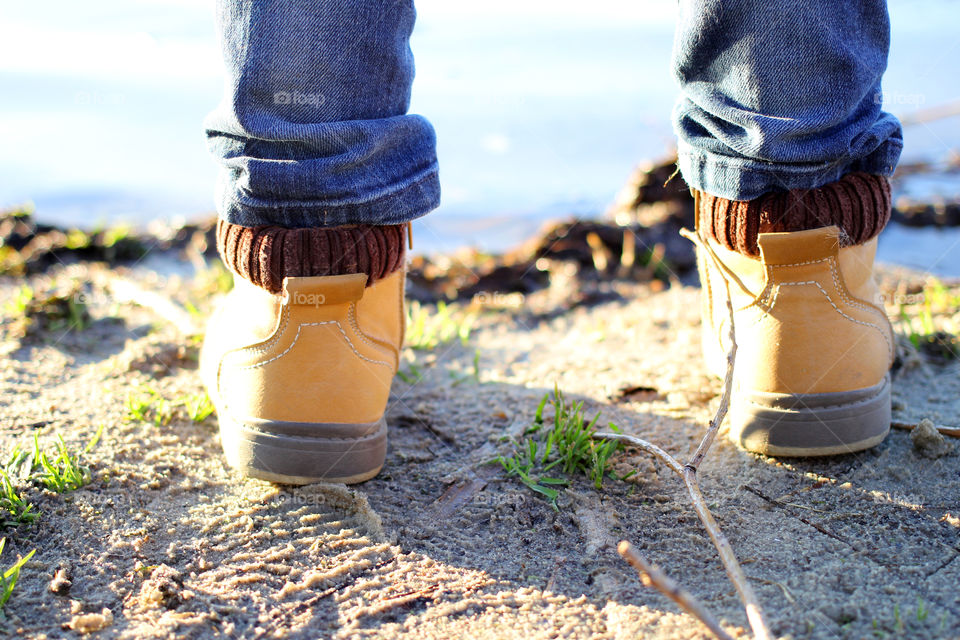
(265, 255)
(859, 204)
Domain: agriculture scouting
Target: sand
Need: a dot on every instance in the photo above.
(169, 542)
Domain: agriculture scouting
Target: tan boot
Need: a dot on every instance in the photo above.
(813, 345)
(301, 380)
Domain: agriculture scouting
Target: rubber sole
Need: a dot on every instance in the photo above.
(814, 424)
(304, 453)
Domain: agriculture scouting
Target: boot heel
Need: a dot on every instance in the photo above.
(303, 453)
(815, 424)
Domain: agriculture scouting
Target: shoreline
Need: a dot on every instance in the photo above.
(639, 226)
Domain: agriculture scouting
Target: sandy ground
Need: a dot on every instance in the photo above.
(168, 542)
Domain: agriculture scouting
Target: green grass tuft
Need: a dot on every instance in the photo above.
(30, 312)
(14, 509)
(8, 579)
(927, 324)
(199, 407)
(549, 454)
(20, 302)
(428, 328)
(146, 404)
(62, 472)
(412, 375)
(59, 471)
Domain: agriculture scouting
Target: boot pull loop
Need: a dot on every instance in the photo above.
(318, 291)
(696, 211)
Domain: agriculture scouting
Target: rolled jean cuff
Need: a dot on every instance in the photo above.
(745, 179)
(398, 204)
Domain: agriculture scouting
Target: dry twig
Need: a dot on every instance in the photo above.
(651, 575)
(945, 430)
(688, 472)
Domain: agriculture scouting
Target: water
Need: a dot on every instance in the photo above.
(542, 108)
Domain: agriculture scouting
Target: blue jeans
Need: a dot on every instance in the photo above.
(781, 95)
(314, 131)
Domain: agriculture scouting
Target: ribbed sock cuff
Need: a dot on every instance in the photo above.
(265, 255)
(859, 204)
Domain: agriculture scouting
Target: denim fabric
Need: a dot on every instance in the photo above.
(313, 129)
(781, 95)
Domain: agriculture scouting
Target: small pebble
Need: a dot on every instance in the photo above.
(928, 442)
(61, 583)
(91, 622)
